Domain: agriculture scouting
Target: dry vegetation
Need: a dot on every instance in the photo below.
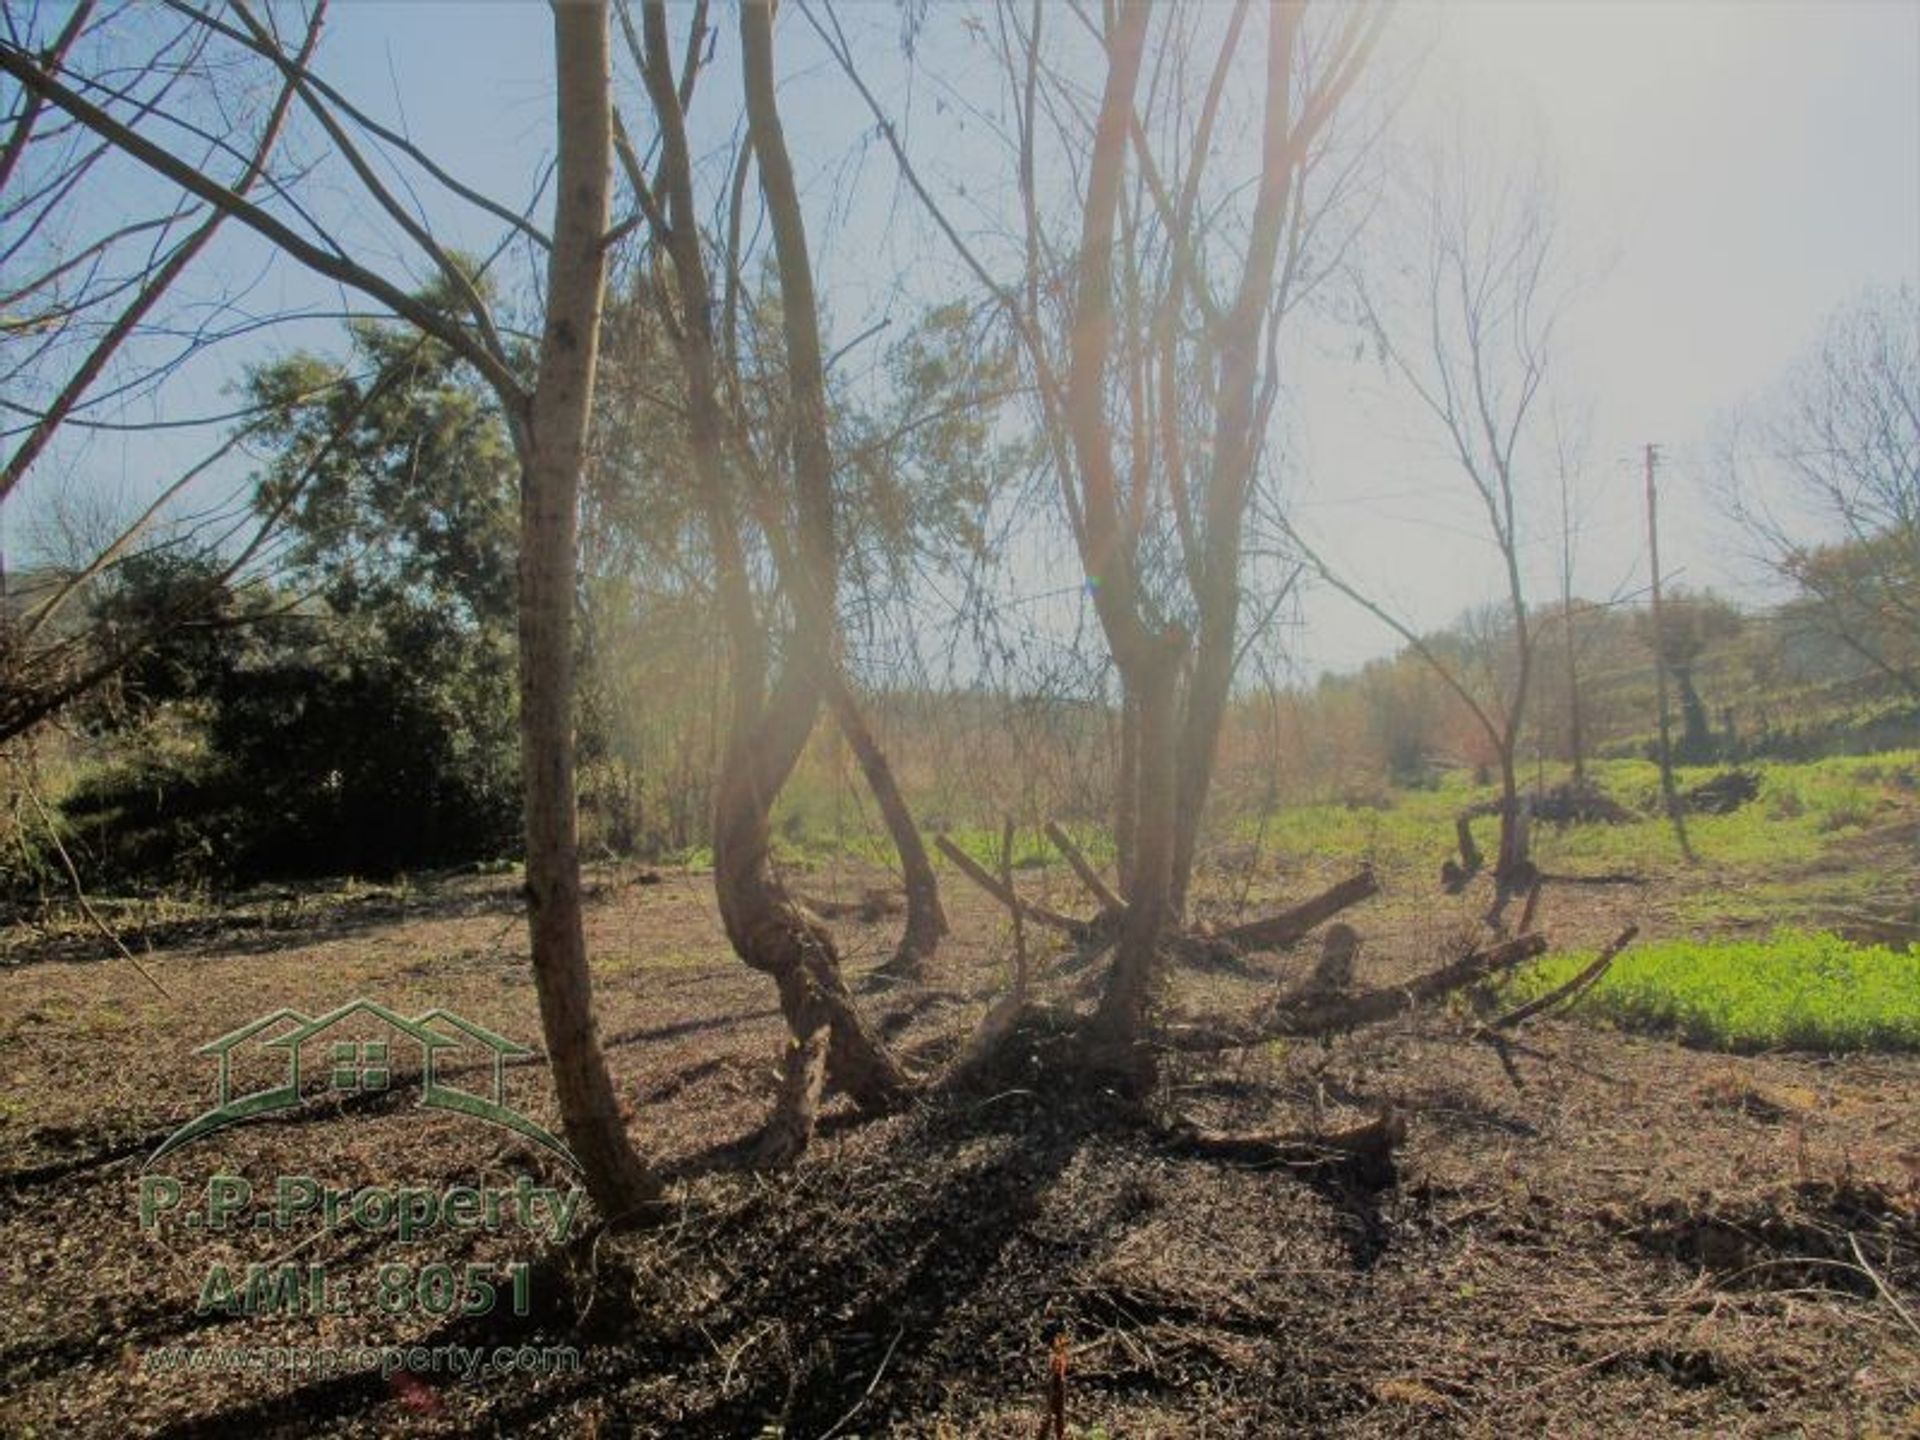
(1605, 1235)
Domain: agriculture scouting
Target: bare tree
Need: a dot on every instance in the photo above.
(1472, 345)
(85, 286)
(547, 417)
(1825, 479)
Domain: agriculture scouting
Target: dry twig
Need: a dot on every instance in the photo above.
(1588, 976)
(80, 893)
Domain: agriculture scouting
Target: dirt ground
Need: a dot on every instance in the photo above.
(1614, 1236)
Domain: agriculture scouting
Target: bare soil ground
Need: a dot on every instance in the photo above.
(1620, 1237)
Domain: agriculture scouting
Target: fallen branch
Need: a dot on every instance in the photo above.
(1371, 1144)
(1089, 877)
(1886, 1293)
(1589, 975)
(1276, 932)
(1039, 914)
(867, 1394)
(1316, 1015)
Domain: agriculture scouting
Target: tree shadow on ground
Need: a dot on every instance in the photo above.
(241, 931)
(861, 1281)
(838, 1307)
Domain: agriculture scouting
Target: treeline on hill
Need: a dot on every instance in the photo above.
(360, 719)
(1745, 685)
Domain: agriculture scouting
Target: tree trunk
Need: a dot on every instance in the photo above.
(1214, 567)
(926, 919)
(1119, 1030)
(554, 436)
(1696, 735)
(767, 929)
(1126, 814)
(1199, 738)
(829, 1041)
(766, 732)
(1513, 867)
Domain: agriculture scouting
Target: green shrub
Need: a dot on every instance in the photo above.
(1797, 990)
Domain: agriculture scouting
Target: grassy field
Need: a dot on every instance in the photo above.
(1788, 857)
(1743, 957)
(1799, 812)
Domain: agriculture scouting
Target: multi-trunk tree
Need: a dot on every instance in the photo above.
(1148, 313)
(763, 505)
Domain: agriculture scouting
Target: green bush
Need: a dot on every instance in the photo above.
(313, 764)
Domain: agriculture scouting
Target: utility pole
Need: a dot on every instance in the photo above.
(1576, 741)
(1667, 792)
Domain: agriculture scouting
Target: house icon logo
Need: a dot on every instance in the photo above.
(359, 1065)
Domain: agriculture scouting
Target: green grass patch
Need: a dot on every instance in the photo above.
(1781, 858)
(1797, 990)
(1725, 899)
(1801, 812)
(1031, 849)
